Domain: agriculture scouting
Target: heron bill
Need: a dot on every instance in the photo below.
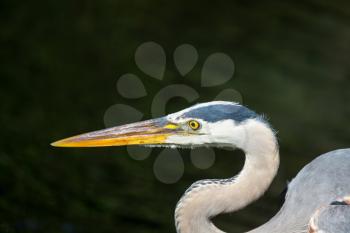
(150, 132)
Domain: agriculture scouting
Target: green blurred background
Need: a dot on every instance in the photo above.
(59, 65)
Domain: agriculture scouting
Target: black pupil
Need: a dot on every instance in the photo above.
(193, 124)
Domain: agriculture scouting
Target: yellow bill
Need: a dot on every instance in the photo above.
(151, 132)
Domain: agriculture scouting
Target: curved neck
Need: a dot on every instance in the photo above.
(208, 198)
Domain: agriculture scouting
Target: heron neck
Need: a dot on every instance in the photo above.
(208, 198)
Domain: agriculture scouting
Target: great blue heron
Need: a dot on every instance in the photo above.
(317, 199)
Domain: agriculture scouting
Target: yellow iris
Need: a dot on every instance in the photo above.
(194, 124)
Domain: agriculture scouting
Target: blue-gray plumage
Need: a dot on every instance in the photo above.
(318, 184)
(332, 218)
(219, 123)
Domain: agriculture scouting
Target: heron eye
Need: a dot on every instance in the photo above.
(194, 124)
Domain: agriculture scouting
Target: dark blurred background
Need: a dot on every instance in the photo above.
(59, 65)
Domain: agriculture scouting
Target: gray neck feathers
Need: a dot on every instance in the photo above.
(208, 198)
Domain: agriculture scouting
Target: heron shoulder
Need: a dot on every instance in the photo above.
(320, 182)
(330, 166)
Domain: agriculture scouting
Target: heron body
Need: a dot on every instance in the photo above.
(218, 124)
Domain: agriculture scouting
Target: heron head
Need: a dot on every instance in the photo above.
(217, 123)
